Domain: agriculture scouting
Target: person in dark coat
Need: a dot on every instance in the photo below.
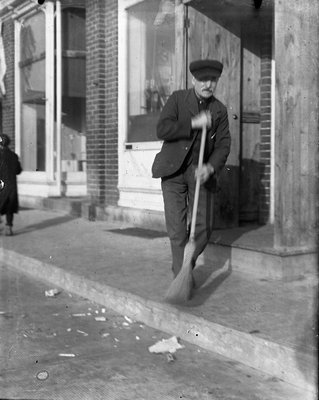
(180, 126)
(10, 167)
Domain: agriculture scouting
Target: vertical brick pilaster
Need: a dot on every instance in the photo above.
(8, 99)
(101, 106)
(265, 126)
(111, 100)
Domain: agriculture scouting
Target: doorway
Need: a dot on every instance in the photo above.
(73, 107)
(231, 35)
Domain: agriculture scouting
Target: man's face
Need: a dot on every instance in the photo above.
(205, 89)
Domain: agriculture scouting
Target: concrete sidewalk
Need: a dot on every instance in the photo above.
(266, 324)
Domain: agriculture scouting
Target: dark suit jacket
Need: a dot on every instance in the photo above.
(174, 128)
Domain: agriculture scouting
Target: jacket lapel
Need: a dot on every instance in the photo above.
(192, 102)
(215, 112)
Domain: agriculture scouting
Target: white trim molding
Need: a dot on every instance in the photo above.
(49, 89)
(272, 140)
(17, 86)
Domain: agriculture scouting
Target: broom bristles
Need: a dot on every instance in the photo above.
(180, 289)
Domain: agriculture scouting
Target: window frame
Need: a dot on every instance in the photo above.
(124, 144)
(48, 10)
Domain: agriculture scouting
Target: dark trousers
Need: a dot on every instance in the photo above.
(178, 194)
(9, 219)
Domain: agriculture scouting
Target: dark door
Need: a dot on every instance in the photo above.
(209, 39)
(229, 35)
(250, 166)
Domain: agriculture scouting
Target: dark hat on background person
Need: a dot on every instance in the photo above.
(4, 140)
(206, 69)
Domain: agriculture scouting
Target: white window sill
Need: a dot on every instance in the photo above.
(137, 146)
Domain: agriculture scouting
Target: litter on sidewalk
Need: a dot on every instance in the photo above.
(52, 292)
(66, 355)
(102, 319)
(170, 358)
(83, 333)
(166, 346)
(42, 375)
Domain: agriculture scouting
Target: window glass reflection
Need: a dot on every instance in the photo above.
(32, 78)
(33, 37)
(73, 90)
(151, 61)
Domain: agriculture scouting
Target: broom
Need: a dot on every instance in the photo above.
(180, 289)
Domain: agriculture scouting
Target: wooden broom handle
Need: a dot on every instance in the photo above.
(197, 187)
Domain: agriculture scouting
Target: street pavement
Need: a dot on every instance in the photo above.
(55, 348)
(266, 324)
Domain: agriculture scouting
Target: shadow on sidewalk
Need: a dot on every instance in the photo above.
(138, 232)
(214, 266)
(205, 289)
(308, 344)
(45, 224)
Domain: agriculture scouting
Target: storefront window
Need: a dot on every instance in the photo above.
(151, 62)
(32, 78)
(73, 90)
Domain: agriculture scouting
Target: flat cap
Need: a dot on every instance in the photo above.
(205, 69)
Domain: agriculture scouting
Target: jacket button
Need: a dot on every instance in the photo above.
(186, 148)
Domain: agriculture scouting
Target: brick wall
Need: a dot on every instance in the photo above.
(8, 99)
(265, 127)
(101, 106)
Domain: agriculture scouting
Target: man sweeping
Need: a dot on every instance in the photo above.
(186, 115)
